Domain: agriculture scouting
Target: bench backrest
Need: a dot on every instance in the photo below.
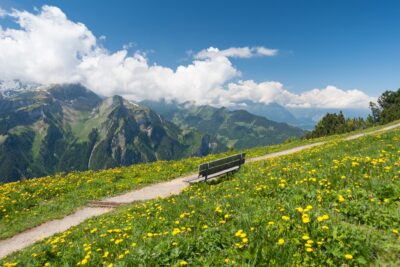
(220, 165)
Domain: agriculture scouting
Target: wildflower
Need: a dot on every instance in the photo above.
(205, 226)
(309, 249)
(300, 209)
(348, 256)
(118, 241)
(281, 241)
(395, 231)
(323, 218)
(270, 223)
(305, 218)
(106, 253)
(183, 263)
(176, 231)
(285, 218)
(341, 198)
(305, 237)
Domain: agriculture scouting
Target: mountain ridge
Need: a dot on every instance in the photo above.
(67, 127)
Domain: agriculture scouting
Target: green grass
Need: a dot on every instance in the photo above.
(334, 205)
(52, 197)
(3, 138)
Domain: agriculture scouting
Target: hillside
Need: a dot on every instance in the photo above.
(332, 205)
(68, 127)
(236, 129)
(63, 128)
(274, 111)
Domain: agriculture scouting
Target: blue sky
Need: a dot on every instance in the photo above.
(347, 44)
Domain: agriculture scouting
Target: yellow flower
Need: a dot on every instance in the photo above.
(300, 209)
(309, 249)
(106, 253)
(305, 237)
(285, 218)
(10, 264)
(118, 241)
(245, 240)
(281, 241)
(323, 218)
(183, 263)
(348, 256)
(341, 198)
(305, 218)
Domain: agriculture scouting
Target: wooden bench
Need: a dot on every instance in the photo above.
(219, 167)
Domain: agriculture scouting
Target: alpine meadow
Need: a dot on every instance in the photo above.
(199, 133)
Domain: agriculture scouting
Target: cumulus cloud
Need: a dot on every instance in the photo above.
(238, 52)
(268, 92)
(47, 48)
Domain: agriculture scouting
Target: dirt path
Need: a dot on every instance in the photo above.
(163, 189)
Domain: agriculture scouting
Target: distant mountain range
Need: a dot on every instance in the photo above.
(229, 128)
(276, 112)
(57, 128)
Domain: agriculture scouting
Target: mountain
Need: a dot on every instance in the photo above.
(229, 128)
(68, 127)
(62, 128)
(315, 114)
(274, 111)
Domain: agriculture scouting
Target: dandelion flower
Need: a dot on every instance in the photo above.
(348, 256)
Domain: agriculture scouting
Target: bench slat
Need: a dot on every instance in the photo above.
(218, 166)
(224, 160)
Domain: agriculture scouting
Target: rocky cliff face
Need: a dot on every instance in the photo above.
(68, 127)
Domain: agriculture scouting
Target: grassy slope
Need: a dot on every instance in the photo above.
(338, 204)
(42, 199)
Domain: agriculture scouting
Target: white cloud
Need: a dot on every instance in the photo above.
(49, 48)
(239, 52)
(267, 92)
